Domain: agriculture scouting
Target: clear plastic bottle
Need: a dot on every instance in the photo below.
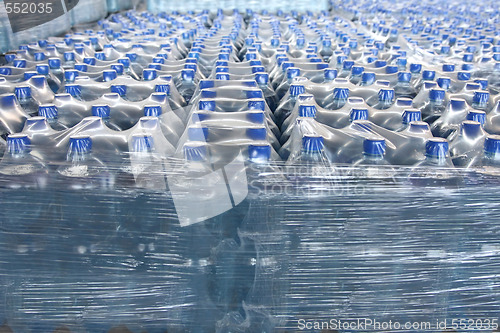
(403, 88)
(373, 152)
(104, 111)
(313, 150)
(50, 112)
(435, 107)
(25, 99)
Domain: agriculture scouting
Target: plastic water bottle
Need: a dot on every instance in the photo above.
(373, 152)
(313, 150)
(50, 112)
(25, 99)
(84, 179)
(437, 153)
(104, 111)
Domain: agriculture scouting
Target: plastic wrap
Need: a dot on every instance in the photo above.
(209, 173)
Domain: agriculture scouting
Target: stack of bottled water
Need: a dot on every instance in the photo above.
(181, 170)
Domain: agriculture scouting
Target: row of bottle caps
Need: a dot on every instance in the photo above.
(221, 70)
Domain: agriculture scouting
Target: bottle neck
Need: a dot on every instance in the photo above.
(77, 157)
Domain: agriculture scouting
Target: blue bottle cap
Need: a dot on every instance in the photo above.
(256, 105)
(195, 152)
(5, 71)
(39, 56)
(22, 92)
(206, 105)
(480, 97)
(18, 143)
(118, 68)
(492, 144)
(254, 94)
(109, 75)
(9, 57)
(100, 55)
(54, 63)
(286, 65)
(444, 82)
(458, 104)
(49, 111)
(418, 127)
(249, 56)
(19, 63)
(208, 94)
(80, 144)
(81, 67)
(188, 74)
(448, 68)
(204, 84)
(222, 76)
(297, 89)
(155, 66)
(224, 56)
(152, 110)
(401, 62)
(163, 88)
(142, 143)
(101, 110)
(262, 78)
(386, 95)
(256, 117)
(120, 89)
(292, 72)
(428, 75)
(463, 76)
(90, 61)
(313, 143)
(471, 128)
(368, 78)
(307, 110)
(221, 63)
(358, 114)
(222, 70)
(340, 93)
(391, 69)
(436, 147)
(357, 70)
(257, 133)
(69, 56)
(341, 59)
(374, 146)
(73, 89)
(468, 57)
(483, 83)
(149, 74)
(198, 116)
(436, 95)
(159, 60)
(415, 68)
(475, 115)
(255, 63)
(404, 76)
(411, 115)
(198, 133)
(380, 63)
(259, 153)
(347, 65)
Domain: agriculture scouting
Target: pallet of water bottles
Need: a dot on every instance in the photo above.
(234, 171)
